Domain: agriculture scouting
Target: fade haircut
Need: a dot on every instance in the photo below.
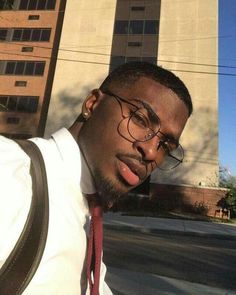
(129, 73)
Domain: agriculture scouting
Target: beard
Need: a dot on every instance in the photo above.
(109, 191)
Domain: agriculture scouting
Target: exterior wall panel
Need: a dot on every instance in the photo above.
(189, 38)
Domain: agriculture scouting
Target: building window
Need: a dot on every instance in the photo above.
(19, 69)
(27, 104)
(3, 34)
(119, 60)
(23, 104)
(27, 49)
(3, 103)
(135, 44)
(35, 35)
(12, 103)
(151, 27)
(37, 4)
(30, 68)
(27, 4)
(21, 83)
(39, 68)
(9, 67)
(25, 35)
(137, 8)
(121, 27)
(7, 4)
(33, 17)
(13, 120)
(17, 34)
(134, 27)
(45, 35)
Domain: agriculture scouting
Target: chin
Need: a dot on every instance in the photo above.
(110, 189)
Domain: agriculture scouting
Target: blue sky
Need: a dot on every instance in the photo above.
(227, 84)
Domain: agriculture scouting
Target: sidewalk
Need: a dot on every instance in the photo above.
(125, 282)
(167, 225)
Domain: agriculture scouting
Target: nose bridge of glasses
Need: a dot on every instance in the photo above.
(159, 143)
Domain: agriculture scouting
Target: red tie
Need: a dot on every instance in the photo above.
(94, 255)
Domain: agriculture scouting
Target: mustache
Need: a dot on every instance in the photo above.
(153, 164)
(131, 156)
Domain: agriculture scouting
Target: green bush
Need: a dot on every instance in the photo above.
(231, 200)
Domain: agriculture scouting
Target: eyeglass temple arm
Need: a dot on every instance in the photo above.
(181, 161)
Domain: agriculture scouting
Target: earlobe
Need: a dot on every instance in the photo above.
(91, 102)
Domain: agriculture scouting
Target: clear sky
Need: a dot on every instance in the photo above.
(227, 84)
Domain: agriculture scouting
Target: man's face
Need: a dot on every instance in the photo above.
(117, 161)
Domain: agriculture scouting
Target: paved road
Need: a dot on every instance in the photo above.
(208, 261)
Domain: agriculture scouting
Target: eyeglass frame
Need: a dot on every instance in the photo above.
(120, 99)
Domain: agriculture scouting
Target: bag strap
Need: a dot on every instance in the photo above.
(23, 261)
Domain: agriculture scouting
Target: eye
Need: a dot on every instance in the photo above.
(165, 146)
(168, 146)
(139, 119)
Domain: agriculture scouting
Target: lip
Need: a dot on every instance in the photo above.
(131, 170)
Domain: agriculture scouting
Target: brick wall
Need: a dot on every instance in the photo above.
(173, 196)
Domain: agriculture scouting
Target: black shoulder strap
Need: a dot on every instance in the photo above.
(22, 263)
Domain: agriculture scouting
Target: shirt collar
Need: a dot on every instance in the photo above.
(70, 154)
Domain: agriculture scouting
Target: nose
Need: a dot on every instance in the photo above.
(148, 149)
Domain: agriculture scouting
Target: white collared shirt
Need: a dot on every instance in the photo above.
(62, 268)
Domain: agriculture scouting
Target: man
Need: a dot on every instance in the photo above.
(128, 127)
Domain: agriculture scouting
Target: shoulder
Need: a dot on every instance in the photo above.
(15, 196)
(12, 159)
(14, 173)
(9, 149)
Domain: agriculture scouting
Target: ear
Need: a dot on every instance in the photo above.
(91, 102)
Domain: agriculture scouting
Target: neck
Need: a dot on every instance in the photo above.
(76, 127)
(93, 200)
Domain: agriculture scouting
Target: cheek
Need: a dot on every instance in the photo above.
(128, 131)
(111, 128)
(104, 136)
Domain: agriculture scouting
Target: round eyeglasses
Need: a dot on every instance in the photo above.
(142, 125)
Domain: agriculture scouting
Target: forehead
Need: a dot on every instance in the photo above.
(171, 110)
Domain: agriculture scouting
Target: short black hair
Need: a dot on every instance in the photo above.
(129, 73)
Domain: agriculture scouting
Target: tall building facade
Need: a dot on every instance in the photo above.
(29, 39)
(136, 31)
(97, 36)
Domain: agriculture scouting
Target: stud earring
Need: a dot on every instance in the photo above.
(86, 115)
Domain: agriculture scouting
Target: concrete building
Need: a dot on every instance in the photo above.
(97, 36)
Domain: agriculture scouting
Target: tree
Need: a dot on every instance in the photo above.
(227, 180)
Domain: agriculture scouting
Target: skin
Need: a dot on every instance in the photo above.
(108, 151)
